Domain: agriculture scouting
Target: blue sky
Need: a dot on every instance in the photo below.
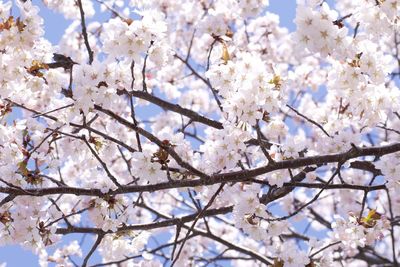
(54, 28)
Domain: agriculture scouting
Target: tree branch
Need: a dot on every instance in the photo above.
(84, 32)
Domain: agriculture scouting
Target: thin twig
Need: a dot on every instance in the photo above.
(84, 32)
(309, 120)
(92, 250)
(200, 214)
(103, 164)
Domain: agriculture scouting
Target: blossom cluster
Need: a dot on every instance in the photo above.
(192, 132)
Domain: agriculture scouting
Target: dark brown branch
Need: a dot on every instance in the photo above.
(238, 176)
(315, 198)
(7, 199)
(148, 226)
(133, 116)
(309, 120)
(51, 111)
(356, 30)
(320, 219)
(322, 249)
(84, 32)
(105, 136)
(365, 166)
(200, 214)
(220, 240)
(144, 85)
(190, 45)
(92, 250)
(260, 143)
(337, 186)
(31, 110)
(175, 108)
(153, 139)
(206, 81)
(392, 237)
(103, 164)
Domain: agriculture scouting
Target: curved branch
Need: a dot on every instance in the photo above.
(175, 108)
(84, 32)
(148, 226)
(153, 139)
(92, 250)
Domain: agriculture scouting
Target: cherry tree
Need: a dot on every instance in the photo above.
(201, 133)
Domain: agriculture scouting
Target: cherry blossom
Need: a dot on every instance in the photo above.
(194, 133)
